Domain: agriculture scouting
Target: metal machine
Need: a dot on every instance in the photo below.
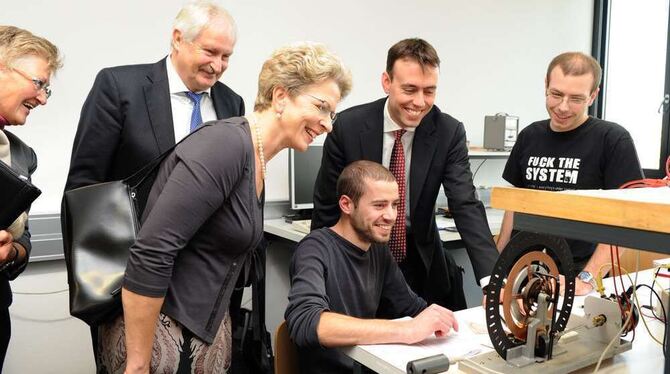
(529, 329)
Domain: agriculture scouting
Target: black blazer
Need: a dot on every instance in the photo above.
(126, 121)
(439, 157)
(24, 161)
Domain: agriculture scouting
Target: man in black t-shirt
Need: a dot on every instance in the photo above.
(345, 284)
(572, 151)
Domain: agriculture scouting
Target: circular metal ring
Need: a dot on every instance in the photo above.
(521, 244)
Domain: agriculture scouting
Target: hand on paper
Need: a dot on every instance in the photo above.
(433, 320)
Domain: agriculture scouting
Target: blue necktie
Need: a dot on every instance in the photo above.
(196, 116)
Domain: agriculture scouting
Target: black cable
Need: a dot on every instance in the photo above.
(660, 301)
(665, 320)
(477, 170)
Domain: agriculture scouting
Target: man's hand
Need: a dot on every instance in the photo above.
(434, 319)
(7, 251)
(581, 288)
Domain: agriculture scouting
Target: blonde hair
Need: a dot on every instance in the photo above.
(16, 43)
(299, 65)
(198, 14)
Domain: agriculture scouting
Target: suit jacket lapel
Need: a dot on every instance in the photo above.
(423, 148)
(157, 96)
(372, 135)
(219, 107)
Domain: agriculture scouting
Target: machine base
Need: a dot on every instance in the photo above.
(578, 354)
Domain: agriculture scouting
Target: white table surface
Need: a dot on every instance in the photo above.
(646, 356)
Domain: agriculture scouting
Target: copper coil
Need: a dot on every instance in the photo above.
(518, 304)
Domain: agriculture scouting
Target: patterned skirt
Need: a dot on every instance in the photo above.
(175, 349)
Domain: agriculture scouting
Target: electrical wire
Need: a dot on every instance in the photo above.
(30, 319)
(648, 182)
(637, 302)
(40, 293)
(654, 293)
(477, 170)
(630, 315)
(665, 182)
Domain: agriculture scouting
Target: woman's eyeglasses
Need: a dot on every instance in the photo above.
(40, 85)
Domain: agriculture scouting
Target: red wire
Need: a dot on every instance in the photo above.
(623, 287)
(640, 183)
(648, 182)
(616, 292)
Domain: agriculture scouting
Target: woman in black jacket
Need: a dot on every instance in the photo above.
(27, 63)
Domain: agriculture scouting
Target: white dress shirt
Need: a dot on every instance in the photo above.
(182, 106)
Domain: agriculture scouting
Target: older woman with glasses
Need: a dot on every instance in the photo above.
(27, 63)
(204, 217)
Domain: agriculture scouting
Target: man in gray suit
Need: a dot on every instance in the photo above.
(135, 113)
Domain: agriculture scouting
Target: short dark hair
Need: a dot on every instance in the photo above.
(415, 49)
(577, 63)
(352, 180)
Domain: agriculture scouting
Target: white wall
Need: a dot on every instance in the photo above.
(45, 338)
(494, 54)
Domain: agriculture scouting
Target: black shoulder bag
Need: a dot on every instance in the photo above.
(99, 224)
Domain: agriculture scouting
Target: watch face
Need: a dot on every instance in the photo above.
(585, 276)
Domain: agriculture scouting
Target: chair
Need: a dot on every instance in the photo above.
(286, 354)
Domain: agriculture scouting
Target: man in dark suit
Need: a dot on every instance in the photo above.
(135, 113)
(424, 148)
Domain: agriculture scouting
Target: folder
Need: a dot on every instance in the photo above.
(16, 195)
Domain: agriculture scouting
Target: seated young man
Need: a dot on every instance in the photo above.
(345, 284)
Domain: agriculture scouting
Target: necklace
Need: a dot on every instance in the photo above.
(259, 140)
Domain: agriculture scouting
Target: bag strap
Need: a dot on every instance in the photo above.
(149, 168)
(260, 333)
(258, 289)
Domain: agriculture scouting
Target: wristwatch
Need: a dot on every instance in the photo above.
(587, 277)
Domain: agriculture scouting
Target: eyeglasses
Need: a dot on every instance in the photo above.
(40, 85)
(324, 108)
(557, 97)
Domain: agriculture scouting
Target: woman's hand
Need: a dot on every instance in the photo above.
(135, 371)
(140, 314)
(7, 250)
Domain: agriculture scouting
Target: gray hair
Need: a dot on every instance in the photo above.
(198, 14)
